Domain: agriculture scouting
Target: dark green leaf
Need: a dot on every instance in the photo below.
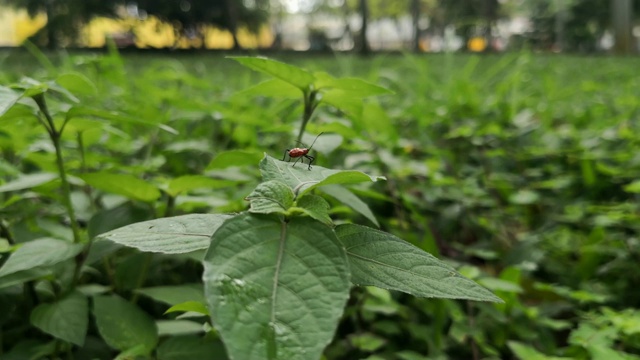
(191, 182)
(123, 184)
(314, 206)
(28, 182)
(190, 347)
(348, 198)
(174, 295)
(41, 252)
(66, 319)
(123, 325)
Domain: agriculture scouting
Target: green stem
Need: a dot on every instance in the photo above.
(171, 203)
(310, 105)
(6, 233)
(66, 188)
(143, 276)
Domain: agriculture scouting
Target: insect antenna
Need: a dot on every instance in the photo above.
(314, 140)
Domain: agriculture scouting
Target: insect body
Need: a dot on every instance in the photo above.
(300, 153)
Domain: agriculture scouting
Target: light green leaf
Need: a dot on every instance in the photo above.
(271, 197)
(314, 206)
(355, 87)
(23, 276)
(342, 100)
(8, 98)
(348, 198)
(178, 327)
(289, 73)
(500, 285)
(275, 290)
(191, 182)
(173, 235)
(66, 319)
(634, 187)
(123, 184)
(40, 252)
(190, 347)
(77, 83)
(367, 342)
(194, 306)
(234, 158)
(273, 88)
(27, 182)
(383, 260)
(174, 295)
(82, 111)
(523, 351)
(524, 197)
(302, 180)
(123, 325)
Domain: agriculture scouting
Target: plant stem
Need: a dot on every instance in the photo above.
(6, 233)
(55, 136)
(310, 105)
(143, 276)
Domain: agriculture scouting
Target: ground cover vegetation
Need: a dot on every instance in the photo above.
(519, 172)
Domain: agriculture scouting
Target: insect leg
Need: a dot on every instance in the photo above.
(298, 159)
(311, 158)
(285, 155)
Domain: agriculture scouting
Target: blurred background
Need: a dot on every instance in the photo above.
(585, 26)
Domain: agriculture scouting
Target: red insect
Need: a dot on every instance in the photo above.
(300, 153)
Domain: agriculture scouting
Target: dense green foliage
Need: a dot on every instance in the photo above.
(520, 171)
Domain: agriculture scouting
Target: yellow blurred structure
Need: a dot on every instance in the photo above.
(16, 26)
(477, 44)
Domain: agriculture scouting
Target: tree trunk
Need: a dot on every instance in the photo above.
(415, 15)
(52, 37)
(232, 15)
(621, 13)
(364, 14)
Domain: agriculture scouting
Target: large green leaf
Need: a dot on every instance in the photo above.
(174, 235)
(383, 260)
(351, 200)
(123, 325)
(289, 73)
(66, 319)
(40, 252)
(122, 184)
(28, 181)
(271, 197)
(303, 180)
(275, 289)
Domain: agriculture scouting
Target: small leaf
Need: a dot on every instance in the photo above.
(500, 285)
(634, 187)
(348, 198)
(173, 235)
(174, 295)
(123, 325)
(191, 182)
(23, 276)
(234, 158)
(66, 319)
(523, 351)
(123, 184)
(82, 111)
(275, 290)
(77, 83)
(383, 260)
(194, 306)
(40, 252)
(524, 197)
(289, 73)
(8, 98)
(28, 182)
(367, 342)
(314, 206)
(271, 197)
(341, 100)
(178, 327)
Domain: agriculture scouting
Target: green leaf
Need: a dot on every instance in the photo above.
(271, 197)
(523, 351)
(289, 73)
(178, 327)
(302, 180)
(23, 276)
(500, 285)
(83, 111)
(234, 158)
(194, 306)
(342, 100)
(524, 197)
(314, 206)
(8, 98)
(273, 88)
(354, 87)
(77, 83)
(383, 260)
(123, 325)
(66, 319)
(348, 198)
(367, 342)
(123, 184)
(28, 181)
(174, 295)
(634, 187)
(190, 347)
(173, 235)
(191, 182)
(40, 252)
(275, 290)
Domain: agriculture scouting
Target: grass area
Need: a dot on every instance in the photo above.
(521, 170)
